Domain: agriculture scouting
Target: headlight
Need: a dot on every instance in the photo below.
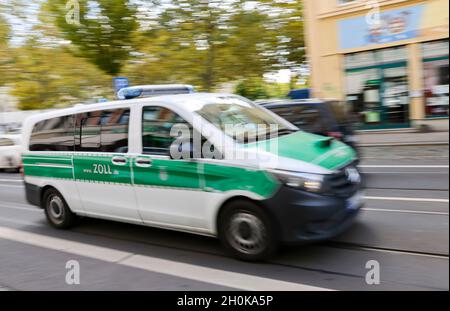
(305, 181)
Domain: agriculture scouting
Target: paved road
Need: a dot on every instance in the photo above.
(404, 226)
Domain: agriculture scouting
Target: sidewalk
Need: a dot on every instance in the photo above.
(368, 139)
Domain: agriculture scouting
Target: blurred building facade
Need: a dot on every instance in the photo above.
(388, 59)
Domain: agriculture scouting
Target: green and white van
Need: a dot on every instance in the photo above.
(116, 161)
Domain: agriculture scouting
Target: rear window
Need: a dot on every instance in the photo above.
(56, 134)
(306, 117)
(98, 131)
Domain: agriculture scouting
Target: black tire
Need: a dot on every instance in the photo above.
(57, 211)
(247, 232)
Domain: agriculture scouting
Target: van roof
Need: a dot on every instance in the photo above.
(167, 99)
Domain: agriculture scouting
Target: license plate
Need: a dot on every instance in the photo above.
(356, 200)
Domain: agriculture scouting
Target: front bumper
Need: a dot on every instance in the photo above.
(302, 217)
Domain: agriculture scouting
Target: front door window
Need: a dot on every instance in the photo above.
(157, 126)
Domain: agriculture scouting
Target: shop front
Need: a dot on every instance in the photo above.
(395, 71)
(436, 78)
(377, 87)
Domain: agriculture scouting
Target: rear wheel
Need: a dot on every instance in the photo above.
(247, 232)
(57, 211)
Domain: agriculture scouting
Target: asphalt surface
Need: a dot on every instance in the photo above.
(404, 227)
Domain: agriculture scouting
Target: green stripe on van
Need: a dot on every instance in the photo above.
(64, 160)
(48, 166)
(163, 173)
(51, 172)
(229, 178)
(100, 169)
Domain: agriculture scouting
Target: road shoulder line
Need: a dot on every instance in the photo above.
(153, 264)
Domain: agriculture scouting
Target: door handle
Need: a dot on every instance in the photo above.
(142, 162)
(118, 160)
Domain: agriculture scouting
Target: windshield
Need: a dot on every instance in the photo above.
(244, 121)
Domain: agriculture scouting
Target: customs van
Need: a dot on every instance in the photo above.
(121, 161)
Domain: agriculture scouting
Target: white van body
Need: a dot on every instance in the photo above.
(136, 184)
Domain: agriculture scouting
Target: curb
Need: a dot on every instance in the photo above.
(433, 143)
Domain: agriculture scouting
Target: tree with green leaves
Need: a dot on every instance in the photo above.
(104, 32)
(6, 59)
(52, 77)
(201, 42)
(210, 42)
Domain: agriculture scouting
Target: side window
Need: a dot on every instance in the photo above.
(103, 131)
(157, 123)
(56, 134)
(114, 131)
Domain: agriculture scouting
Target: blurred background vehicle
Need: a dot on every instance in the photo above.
(322, 117)
(300, 94)
(10, 128)
(10, 152)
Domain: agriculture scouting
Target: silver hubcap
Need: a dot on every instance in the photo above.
(246, 233)
(56, 208)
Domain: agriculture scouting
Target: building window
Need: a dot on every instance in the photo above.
(436, 77)
(377, 87)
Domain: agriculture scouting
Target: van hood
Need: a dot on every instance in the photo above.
(324, 152)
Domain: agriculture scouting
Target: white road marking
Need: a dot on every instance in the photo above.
(19, 222)
(22, 208)
(404, 211)
(153, 264)
(407, 199)
(12, 186)
(403, 166)
(402, 158)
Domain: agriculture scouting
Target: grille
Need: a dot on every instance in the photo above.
(339, 184)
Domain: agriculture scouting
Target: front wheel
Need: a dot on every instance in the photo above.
(57, 211)
(247, 232)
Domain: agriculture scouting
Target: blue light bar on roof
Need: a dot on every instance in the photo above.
(154, 90)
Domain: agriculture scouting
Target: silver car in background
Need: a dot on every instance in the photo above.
(10, 146)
